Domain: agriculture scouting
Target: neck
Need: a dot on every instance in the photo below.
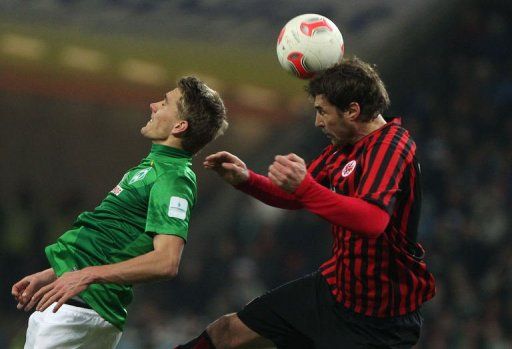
(365, 128)
(170, 142)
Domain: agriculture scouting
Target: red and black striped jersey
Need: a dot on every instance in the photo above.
(384, 276)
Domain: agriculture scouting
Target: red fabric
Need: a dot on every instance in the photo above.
(263, 189)
(351, 213)
(348, 212)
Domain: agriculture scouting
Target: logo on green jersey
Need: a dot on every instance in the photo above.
(140, 175)
(178, 208)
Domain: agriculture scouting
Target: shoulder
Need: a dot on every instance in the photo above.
(173, 174)
(393, 138)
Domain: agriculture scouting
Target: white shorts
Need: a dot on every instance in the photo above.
(70, 327)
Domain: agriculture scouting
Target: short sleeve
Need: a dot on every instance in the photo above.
(385, 163)
(171, 200)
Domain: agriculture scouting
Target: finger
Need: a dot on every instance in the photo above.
(230, 166)
(295, 158)
(278, 175)
(43, 290)
(61, 301)
(208, 164)
(283, 160)
(18, 287)
(48, 299)
(33, 301)
(44, 294)
(28, 292)
(219, 156)
(274, 179)
(279, 171)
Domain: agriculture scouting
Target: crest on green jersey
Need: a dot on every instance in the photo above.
(140, 175)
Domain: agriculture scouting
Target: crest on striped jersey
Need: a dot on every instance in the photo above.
(349, 168)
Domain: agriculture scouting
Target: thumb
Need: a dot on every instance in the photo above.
(19, 287)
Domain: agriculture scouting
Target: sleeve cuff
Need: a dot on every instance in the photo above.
(304, 186)
(248, 183)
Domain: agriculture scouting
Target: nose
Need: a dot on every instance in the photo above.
(318, 121)
(153, 107)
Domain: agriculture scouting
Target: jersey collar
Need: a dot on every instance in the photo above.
(166, 151)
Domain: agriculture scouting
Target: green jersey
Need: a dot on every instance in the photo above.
(155, 197)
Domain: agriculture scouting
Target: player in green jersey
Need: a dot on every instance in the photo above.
(135, 235)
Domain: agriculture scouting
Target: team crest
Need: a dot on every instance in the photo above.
(349, 168)
(140, 175)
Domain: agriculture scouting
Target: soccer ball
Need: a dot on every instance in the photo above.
(308, 44)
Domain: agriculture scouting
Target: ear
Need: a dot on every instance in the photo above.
(353, 111)
(179, 127)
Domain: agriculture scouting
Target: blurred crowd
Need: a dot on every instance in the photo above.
(455, 100)
(460, 97)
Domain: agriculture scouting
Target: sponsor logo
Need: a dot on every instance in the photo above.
(117, 190)
(349, 168)
(178, 208)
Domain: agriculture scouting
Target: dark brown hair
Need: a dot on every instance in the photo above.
(352, 80)
(204, 111)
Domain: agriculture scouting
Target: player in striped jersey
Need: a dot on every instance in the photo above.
(366, 184)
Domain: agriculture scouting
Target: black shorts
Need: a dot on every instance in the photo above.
(303, 314)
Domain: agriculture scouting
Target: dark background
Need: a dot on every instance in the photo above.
(76, 80)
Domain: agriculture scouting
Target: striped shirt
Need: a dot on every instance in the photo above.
(384, 276)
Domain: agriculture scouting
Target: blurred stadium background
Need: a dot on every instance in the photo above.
(76, 79)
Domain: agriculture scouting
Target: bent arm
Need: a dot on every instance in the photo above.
(161, 263)
(262, 188)
(354, 214)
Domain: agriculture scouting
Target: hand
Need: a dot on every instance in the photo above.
(23, 291)
(287, 172)
(229, 167)
(65, 287)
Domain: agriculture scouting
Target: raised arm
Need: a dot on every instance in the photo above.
(289, 173)
(235, 172)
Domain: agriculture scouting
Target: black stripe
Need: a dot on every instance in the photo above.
(403, 200)
(401, 160)
(364, 275)
(383, 166)
(372, 156)
(410, 285)
(394, 294)
(415, 212)
(319, 162)
(352, 263)
(378, 271)
(342, 280)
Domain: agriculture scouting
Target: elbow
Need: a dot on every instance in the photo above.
(373, 233)
(377, 225)
(374, 228)
(170, 271)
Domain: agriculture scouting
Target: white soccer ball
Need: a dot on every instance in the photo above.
(308, 44)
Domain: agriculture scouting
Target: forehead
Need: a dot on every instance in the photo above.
(176, 93)
(321, 101)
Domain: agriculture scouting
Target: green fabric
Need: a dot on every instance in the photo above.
(156, 197)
